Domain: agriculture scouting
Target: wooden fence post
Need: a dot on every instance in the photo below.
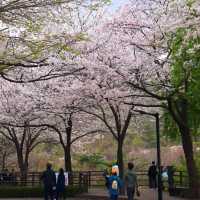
(85, 182)
(33, 178)
(80, 179)
(181, 178)
(89, 178)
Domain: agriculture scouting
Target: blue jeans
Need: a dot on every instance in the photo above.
(130, 193)
(114, 197)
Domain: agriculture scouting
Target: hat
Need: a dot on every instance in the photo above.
(115, 169)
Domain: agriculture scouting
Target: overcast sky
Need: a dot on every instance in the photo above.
(117, 3)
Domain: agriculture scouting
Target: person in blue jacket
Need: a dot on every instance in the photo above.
(60, 185)
(114, 185)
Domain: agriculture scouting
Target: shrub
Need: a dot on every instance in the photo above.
(24, 192)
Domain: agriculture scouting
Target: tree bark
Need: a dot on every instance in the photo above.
(23, 166)
(120, 160)
(68, 161)
(181, 118)
(67, 149)
(4, 161)
(24, 172)
(190, 162)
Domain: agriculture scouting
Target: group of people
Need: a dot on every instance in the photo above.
(53, 187)
(115, 184)
(167, 174)
(7, 176)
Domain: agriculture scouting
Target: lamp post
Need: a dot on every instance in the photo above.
(156, 115)
(158, 156)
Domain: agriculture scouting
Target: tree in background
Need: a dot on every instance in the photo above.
(165, 38)
(17, 110)
(102, 89)
(36, 34)
(93, 161)
(6, 151)
(39, 43)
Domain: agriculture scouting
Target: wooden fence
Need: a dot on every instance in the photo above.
(92, 179)
(34, 179)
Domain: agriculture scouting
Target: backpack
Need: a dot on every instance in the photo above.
(114, 185)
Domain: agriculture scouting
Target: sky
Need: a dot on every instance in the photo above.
(117, 3)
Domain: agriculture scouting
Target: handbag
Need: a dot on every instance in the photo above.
(137, 192)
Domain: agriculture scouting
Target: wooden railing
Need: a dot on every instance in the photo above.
(92, 179)
(181, 179)
(34, 179)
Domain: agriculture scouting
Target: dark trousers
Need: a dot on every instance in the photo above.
(48, 192)
(152, 182)
(130, 192)
(114, 197)
(60, 195)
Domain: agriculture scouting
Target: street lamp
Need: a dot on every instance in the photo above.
(156, 115)
(158, 156)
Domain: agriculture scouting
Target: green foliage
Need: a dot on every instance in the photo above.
(33, 27)
(138, 141)
(96, 6)
(170, 129)
(95, 161)
(3, 67)
(181, 166)
(185, 76)
(190, 3)
(24, 192)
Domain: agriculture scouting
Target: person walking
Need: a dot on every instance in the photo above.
(49, 180)
(152, 174)
(131, 181)
(114, 184)
(60, 185)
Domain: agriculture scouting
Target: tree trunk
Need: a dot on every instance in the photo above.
(187, 144)
(23, 166)
(4, 161)
(24, 172)
(120, 160)
(190, 162)
(68, 161)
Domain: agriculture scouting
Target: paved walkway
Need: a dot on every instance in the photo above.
(38, 199)
(99, 194)
(145, 194)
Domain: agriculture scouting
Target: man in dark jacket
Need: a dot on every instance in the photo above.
(49, 180)
(152, 173)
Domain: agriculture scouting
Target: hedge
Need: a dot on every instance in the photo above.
(24, 191)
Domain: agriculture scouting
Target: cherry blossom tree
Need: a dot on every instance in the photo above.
(24, 140)
(18, 109)
(60, 105)
(39, 46)
(102, 90)
(6, 150)
(35, 35)
(164, 38)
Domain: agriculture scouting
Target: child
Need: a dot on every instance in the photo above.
(114, 185)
